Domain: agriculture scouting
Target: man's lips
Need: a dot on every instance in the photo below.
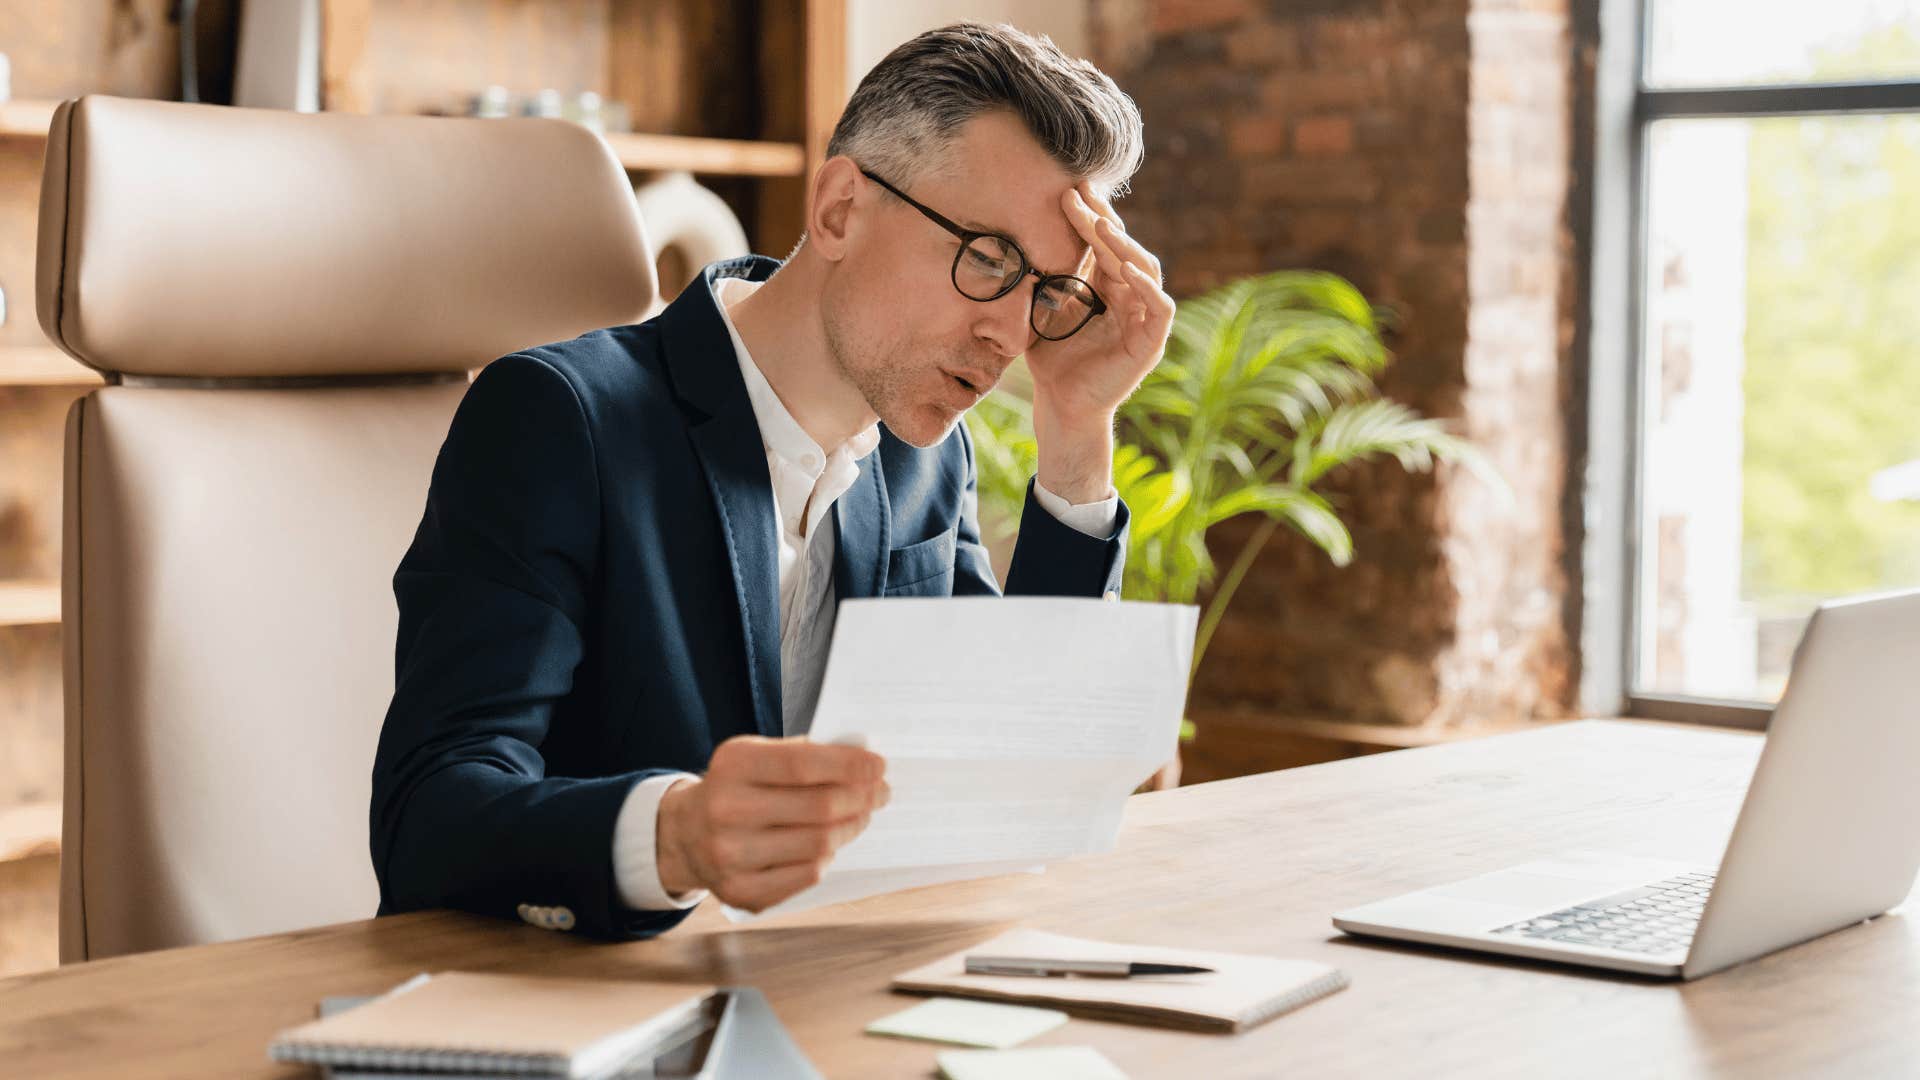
(977, 383)
(959, 396)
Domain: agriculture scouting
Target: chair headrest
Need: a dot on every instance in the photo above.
(209, 241)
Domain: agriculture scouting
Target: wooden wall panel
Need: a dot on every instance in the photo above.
(65, 48)
(686, 67)
(20, 162)
(803, 58)
(824, 39)
(31, 723)
(32, 420)
(29, 915)
(780, 210)
(432, 55)
(345, 82)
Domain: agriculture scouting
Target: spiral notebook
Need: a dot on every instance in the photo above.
(1243, 990)
(519, 1025)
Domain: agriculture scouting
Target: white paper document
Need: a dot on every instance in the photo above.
(1014, 729)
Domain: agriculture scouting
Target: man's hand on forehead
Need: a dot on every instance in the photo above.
(1079, 381)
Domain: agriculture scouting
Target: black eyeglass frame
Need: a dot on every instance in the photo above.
(968, 236)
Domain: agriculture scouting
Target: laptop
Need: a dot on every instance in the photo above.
(1829, 834)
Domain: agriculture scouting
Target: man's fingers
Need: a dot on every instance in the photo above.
(1159, 305)
(1123, 264)
(823, 804)
(1119, 240)
(762, 889)
(770, 865)
(1128, 248)
(1100, 203)
(1086, 221)
(798, 762)
(764, 849)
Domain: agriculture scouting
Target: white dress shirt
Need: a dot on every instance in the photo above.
(806, 482)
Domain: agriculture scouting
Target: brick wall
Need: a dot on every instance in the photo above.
(1421, 148)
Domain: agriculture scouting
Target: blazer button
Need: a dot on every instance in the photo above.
(526, 912)
(562, 918)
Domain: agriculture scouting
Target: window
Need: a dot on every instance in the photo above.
(1774, 362)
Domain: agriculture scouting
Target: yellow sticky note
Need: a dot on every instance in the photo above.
(1030, 1063)
(968, 1023)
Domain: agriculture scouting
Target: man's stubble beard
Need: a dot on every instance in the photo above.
(888, 388)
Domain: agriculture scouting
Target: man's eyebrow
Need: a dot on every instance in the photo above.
(972, 225)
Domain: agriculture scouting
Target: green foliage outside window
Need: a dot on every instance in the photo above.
(1832, 379)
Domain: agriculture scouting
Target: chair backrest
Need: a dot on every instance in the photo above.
(286, 308)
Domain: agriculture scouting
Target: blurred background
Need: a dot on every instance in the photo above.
(1610, 305)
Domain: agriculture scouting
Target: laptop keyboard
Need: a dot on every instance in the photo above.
(1657, 918)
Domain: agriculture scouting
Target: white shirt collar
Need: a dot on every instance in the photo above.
(805, 477)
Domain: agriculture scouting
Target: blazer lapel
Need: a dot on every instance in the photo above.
(862, 533)
(699, 354)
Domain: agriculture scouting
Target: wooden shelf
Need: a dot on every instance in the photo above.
(43, 365)
(29, 830)
(718, 157)
(29, 603)
(638, 152)
(26, 118)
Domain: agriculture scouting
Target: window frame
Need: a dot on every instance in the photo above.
(1625, 109)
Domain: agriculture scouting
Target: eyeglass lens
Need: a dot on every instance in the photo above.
(989, 267)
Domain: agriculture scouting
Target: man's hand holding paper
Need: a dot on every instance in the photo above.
(1012, 730)
(766, 818)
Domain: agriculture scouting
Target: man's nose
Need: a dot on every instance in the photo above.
(1007, 323)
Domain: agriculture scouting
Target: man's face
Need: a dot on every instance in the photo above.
(920, 352)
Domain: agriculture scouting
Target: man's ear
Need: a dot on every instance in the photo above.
(830, 214)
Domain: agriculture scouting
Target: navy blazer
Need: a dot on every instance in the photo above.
(592, 598)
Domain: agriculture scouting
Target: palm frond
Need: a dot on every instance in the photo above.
(1361, 430)
(1267, 386)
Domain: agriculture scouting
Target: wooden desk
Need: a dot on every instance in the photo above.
(1254, 864)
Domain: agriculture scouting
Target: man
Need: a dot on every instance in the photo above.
(620, 596)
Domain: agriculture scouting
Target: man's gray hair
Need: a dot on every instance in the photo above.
(906, 112)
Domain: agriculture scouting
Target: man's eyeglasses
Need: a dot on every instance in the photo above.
(988, 266)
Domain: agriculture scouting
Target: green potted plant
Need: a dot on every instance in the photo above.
(1267, 387)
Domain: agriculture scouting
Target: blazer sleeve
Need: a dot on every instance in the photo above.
(493, 595)
(1050, 558)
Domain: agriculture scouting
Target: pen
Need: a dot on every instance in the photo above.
(1099, 969)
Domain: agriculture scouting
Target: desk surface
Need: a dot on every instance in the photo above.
(1254, 864)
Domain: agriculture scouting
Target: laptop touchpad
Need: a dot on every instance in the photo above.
(1521, 888)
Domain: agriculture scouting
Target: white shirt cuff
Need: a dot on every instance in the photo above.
(635, 870)
(1095, 519)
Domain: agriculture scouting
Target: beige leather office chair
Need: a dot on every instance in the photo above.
(284, 307)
